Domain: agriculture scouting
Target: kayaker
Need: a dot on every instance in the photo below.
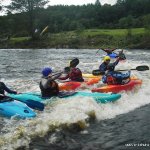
(74, 74)
(3, 89)
(114, 77)
(104, 65)
(108, 51)
(48, 85)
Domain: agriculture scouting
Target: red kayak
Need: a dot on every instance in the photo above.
(118, 88)
(72, 85)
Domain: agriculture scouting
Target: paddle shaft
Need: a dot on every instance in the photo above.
(138, 68)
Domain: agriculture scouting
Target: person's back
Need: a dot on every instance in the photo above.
(76, 75)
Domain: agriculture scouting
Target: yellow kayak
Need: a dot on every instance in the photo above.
(88, 75)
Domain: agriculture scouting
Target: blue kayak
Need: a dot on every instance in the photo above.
(113, 55)
(10, 107)
(99, 97)
(29, 101)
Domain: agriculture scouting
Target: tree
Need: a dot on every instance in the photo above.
(29, 7)
(97, 2)
(0, 5)
(119, 2)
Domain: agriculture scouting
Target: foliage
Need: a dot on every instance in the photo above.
(27, 6)
(60, 18)
(97, 2)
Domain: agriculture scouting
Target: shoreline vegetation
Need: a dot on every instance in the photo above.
(84, 39)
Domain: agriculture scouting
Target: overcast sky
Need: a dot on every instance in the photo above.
(70, 2)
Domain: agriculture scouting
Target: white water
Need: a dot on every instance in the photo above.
(16, 133)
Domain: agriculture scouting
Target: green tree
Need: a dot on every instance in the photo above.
(119, 2)
(29, 7)
(97, 2)
(0, 5)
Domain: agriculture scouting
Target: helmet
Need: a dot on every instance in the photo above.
(111, 67)
(74, 62)
(46, 71)
(106, 58)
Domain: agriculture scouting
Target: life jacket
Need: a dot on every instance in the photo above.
(76, 75)
(51, 90)
(117, 78)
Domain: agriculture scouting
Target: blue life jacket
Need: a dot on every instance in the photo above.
(114, 77)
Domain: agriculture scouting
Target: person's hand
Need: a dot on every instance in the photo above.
(121, 55)
(66, 69)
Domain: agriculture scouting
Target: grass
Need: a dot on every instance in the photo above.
(112, 32)
(19, 39)
(89, 38)
(89, 32)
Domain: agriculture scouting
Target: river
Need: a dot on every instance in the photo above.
(117, 126)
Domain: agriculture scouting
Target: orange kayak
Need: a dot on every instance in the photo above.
(118, 88)
(72, 85)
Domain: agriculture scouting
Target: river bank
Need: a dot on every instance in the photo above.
(85, 39)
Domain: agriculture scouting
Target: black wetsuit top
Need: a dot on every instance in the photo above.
(49, 87)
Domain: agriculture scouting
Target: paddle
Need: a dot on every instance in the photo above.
(98, 72)
(73, 63)
(138, 68)
(44, 30)
(34, 104)
(31, 103)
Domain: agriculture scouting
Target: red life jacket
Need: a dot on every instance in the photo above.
(76, 75)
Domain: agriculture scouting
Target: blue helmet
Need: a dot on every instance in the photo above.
(46, 71)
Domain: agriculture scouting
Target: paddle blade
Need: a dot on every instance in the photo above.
(138, 68)
(142, 68)
(74, 62)
(122, 56)
(35, 105)
(97, 72)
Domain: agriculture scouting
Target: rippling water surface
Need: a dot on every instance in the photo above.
(120, 125)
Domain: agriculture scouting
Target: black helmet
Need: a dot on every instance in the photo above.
(74, 62)
(111, 67)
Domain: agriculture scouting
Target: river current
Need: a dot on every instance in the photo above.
(76, 123)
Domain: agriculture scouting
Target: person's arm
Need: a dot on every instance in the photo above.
(54, 77)
(106, 50)
(113, 49)
(47, 82)
(102, 67)
(116, 62)
(8, 90)
(64, 78)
